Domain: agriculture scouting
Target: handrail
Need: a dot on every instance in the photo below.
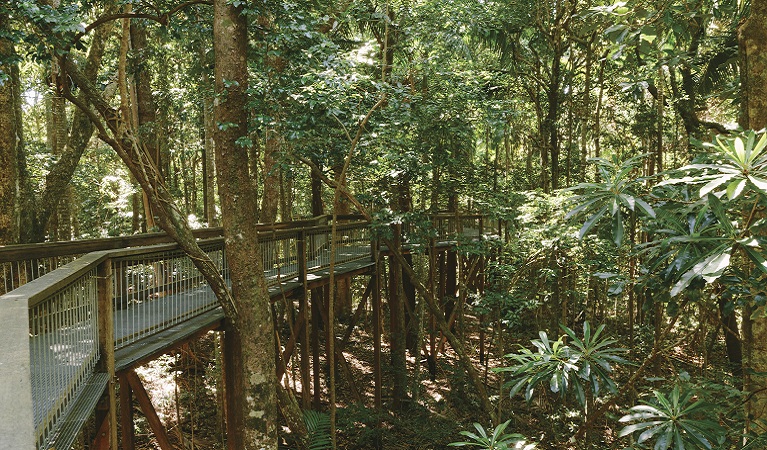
(16, 252)
(54, 357)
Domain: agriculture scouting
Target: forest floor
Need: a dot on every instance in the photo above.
(184, 385)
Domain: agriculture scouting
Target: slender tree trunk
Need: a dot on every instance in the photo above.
(145, 106)
(209, 144)
(598, 113)
(10, 129)
(586, 107)
(752, 36)
(658, 156)
(271, 176)
(552, 114)
(252, 401)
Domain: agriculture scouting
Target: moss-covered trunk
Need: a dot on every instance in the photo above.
(251, 375)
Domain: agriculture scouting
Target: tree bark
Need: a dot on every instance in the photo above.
(752, 37)
(252, 400)
(10, 129)
(146, 125)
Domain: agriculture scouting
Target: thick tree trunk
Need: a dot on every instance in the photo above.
(752, 36)
(252, 400)
(10, 129)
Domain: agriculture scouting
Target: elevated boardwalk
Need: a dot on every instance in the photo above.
(77, 316)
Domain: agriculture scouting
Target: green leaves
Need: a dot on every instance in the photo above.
(498, 440)
(673, 420)
(586, 363)
(722, 221)
(318, 430)
(614, 197)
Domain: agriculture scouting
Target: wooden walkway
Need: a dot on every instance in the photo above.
(156, 301)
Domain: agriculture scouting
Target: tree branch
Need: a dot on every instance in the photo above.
(162, 19)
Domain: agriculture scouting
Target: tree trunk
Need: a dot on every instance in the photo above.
(586, 111)
(752, 37)
(252, 400)
(271, 186)
(10, 129)
(146, 108)
(209, 144)
(552, 114)
(598, 112)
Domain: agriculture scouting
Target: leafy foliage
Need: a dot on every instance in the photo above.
(720, 224)
(566, 367)
(617, 194)
(674, 420)
(497, 440)
(318, 430)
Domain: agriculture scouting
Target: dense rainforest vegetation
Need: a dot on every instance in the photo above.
(613, 144)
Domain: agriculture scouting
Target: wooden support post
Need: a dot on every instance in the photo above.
(411, 319)
(329, 321)
(376, 327)
(298, 329)
(101, 441)
(397, 325)
(451, 282)
(303, 311)
(104, 287)
(431, 359)
(316, 399)
(149, 412)
(126, 414)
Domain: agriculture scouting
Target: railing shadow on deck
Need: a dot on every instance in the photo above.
(56, 339)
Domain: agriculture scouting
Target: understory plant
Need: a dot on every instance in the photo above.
(676, 419)
(496, 440)
(571, 364)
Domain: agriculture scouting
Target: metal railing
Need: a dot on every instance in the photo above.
(156, 290)
(280, 256)
(15, 274)
(63, 335)
(50, 338)
(352, 244)
(20, 264)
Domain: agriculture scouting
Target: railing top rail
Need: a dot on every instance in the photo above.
(340, 227)
(19, 252)
(452, 215)
(37, 290)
